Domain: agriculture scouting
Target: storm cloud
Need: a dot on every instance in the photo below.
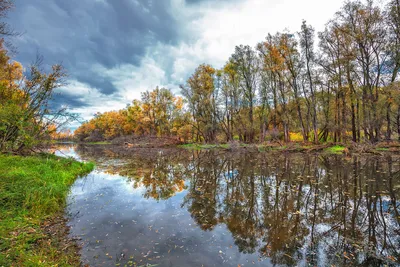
(81, 34)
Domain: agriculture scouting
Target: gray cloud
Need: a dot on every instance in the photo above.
(86, 33)
(214, 2)
(191, 2)
(69, 100)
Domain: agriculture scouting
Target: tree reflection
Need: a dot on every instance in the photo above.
(202, 198)
(314, 209)
(162, 176)
(317, 209)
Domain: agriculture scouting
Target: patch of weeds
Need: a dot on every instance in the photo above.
(335, 149)
(225, 146)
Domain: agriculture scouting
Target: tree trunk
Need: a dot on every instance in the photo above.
(389, 129)
(353, 123)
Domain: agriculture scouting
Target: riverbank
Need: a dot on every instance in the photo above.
(331, 148)
(33, 195)
(297, 147)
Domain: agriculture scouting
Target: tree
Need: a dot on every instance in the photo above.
(246, 63)
(392, 15)
(364, 25)
(26, 116)
(199, 93)
(158, 108)
(307, 44)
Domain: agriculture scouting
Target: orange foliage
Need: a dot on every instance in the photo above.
(159, 113)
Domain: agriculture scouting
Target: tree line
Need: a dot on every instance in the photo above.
(158, 113)
(344, 88)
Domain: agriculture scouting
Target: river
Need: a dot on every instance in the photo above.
(173, 207)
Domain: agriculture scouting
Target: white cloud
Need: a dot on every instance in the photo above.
(132, 80)
(217, 28)
(95, 101)
(129, 79)
(221, 29)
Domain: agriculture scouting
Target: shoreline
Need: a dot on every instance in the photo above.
(379, 148)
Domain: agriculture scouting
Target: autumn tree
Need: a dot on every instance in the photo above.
(392, 16)
(160, 107)
(159, 113)
(245, 61)
(307, 45)
(200, 95)
(26, 113)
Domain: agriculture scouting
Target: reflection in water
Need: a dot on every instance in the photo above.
(215, 208)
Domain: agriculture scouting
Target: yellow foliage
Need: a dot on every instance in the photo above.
(296, 137)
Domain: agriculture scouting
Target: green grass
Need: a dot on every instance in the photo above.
(189, 146)
(335, 149)
(382, 149)
(98, 143)
(33, 190)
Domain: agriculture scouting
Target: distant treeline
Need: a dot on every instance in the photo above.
(344, 89)
(158, 113)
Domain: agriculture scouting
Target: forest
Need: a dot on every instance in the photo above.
(339, 85)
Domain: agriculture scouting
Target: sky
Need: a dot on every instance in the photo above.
(115, 49)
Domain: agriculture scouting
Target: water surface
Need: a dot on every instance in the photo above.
(150, 207)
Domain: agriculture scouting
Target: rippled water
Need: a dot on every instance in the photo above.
(149, 207)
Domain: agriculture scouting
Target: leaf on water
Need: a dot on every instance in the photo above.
(148, 253)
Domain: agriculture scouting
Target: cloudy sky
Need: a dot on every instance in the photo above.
(115, 49)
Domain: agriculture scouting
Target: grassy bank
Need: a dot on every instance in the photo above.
(336, 149)
(97, 143)
(290, 147)
(33, 192)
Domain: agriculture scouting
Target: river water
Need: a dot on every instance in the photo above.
(172, 207)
